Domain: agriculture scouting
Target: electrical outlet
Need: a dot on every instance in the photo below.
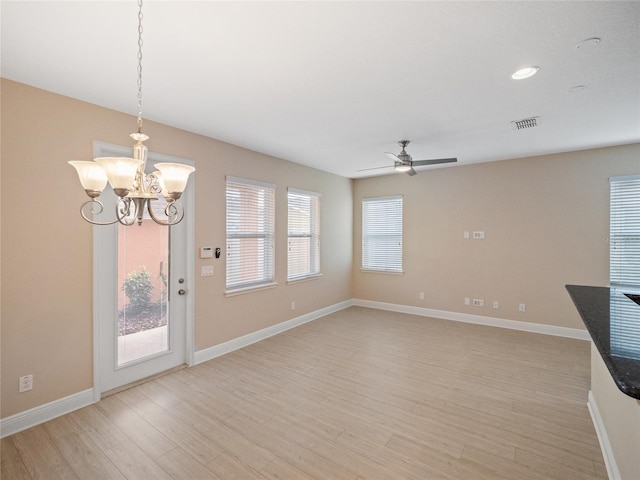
(467, 301)
(293, 305)
(522, 307)
(478, 303)
(25, 383)
(479, 235)
(496, 304)
(421, 295)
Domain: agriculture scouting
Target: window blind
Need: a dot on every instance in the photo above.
(382, 234)
(623, 325)
(624, 234)
(624, 264)
(303, 234)
(250, 231)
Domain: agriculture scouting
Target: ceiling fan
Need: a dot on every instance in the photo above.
(404, 163)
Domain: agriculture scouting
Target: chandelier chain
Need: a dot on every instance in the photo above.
(139, 66)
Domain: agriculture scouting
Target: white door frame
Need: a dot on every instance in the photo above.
(101, 149)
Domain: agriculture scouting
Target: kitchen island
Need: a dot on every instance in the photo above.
(613, 321)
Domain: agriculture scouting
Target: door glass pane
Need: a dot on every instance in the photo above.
(143, 277)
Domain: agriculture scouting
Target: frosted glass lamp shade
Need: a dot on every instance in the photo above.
(175, 176)
(401, 167)
(121, 172)
(92, 176)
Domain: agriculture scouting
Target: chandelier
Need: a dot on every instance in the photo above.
(135, 189)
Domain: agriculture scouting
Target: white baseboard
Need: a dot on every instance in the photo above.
(43, 413)
(246, 340)
(603, 438)
(478, 319)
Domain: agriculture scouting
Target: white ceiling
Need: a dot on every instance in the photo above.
(334, 85)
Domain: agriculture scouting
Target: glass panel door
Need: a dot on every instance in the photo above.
(142, 290)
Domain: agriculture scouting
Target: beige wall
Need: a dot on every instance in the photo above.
(47, 247)
(221, 319)
(546, 223)
(620, 416)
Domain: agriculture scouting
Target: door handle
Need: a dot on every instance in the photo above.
(182, 291)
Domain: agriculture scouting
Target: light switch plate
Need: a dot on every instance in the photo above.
(206, 270)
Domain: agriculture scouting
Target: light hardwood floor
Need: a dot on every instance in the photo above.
(360, 394)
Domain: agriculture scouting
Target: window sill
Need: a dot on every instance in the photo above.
(304, 279)
(387, 272)
(255, 288)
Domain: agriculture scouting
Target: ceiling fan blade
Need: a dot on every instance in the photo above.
(374, 168)
(393, 157)
(412, 172)
(417, 163)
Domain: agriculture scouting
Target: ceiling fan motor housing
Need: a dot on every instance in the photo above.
(404, 158)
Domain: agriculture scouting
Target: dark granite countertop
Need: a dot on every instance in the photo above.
(613, 321)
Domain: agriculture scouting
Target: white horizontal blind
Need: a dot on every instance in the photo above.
(250, 229)
(303, 234)
(624, 265)
(382, 234)
(623, 325)
(624, 234)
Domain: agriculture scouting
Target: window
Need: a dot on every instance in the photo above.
(250, 226)
(624, 264)
(303, 234)
(382, 234)
(624, 235)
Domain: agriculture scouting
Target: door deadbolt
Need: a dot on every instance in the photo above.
(181, 280)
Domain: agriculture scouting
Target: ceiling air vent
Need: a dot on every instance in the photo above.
(525, 123)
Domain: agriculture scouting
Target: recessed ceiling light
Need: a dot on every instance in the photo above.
(525, 72)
